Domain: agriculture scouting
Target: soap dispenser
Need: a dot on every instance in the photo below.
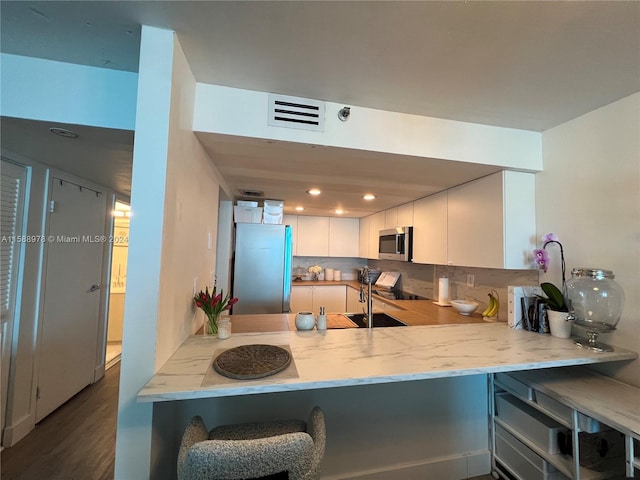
(322, 320)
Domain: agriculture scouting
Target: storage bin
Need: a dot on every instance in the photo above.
(246, 203)
(585, 423)
(247, 214)
(523, 461)
(273, 211)
(515, 386)
(537, 427)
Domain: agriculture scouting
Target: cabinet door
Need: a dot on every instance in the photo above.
(376, 224)
(430, 229)
(519, 209)
(391, 218)
(405, 215)
(313, 236)
(475, 223)
(364, 237)
(344, 237)
(353, 301)
(293, 221)
(301, 299)
(332, 297)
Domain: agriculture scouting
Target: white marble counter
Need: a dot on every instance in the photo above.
(338, 358)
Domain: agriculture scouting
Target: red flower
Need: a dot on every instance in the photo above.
(213, 303)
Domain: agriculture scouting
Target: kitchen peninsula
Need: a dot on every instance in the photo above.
(349, 357)
(407, 402)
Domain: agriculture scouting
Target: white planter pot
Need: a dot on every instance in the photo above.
(558, 324)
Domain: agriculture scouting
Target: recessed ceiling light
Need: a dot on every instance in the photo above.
(63, 132)
(339, 211)
(299, 209)
(369, 196)
(314, 191)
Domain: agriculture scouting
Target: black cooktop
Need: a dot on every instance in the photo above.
(397, 295)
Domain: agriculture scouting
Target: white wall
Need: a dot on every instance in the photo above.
(239, 112)
(589, 195)
(174, 203)
(190, 219)
(64, 92)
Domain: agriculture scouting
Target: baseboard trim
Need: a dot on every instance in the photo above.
(471, 464)
(13, 434)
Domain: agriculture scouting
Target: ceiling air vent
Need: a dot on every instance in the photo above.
(294, 112)
(251, 193)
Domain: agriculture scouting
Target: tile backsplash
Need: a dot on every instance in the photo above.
(422, 280)
(346, 265)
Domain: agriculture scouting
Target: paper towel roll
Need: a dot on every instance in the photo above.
(328, 273)
(337, 275)
(443, 290)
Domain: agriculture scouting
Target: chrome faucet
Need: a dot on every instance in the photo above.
(366, 277)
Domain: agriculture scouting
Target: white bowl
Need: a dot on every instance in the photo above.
(465, 307)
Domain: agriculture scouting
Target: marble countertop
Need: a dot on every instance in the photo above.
(347, 357)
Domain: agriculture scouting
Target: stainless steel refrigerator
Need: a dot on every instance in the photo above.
(262, 268)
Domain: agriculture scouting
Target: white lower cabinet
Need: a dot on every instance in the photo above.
(332, 297)
(301, 299)
(549, 440)
(353, 301)
(308, 298)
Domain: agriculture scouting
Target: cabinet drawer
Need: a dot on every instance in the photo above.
(585, 423)
(535, 425)
(525, 391)
(521, 460)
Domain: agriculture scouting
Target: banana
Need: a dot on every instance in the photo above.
(490, 307)
(494, 306)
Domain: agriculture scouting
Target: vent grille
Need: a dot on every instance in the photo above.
(252, 193)
(294, 112)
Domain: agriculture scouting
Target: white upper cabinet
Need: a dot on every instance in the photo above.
(325, 236)
(344, 237)
(376, 224)
(391, 218)
(293, 221)
(405, 215)
(401, 216)
(430, 229)
(364, 237)
(313, 236)
(491, 221)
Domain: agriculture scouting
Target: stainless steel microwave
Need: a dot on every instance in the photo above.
(396, 244)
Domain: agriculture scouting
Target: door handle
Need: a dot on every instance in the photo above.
(94, 287)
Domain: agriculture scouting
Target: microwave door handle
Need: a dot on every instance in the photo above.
(398, 245)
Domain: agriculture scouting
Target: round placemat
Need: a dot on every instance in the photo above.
(252, 361)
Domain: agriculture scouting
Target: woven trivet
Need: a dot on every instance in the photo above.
(252, 361)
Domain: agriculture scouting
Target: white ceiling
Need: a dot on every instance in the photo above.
(521, 64)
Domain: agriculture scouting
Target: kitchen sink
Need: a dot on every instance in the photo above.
(379, 320)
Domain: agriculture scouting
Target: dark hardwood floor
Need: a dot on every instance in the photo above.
(76, 442)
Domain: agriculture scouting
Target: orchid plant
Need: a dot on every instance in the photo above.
(555, 299)
(213, 305)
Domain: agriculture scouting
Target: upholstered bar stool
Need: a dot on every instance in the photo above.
(253, 450)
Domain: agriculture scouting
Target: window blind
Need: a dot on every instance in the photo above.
(12, 186)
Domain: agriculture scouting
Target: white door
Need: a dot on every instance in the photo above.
(69, 332)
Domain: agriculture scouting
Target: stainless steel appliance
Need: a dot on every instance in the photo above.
(262, 268)
(396, 244)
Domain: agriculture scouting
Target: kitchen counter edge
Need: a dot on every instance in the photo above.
(349, 357)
